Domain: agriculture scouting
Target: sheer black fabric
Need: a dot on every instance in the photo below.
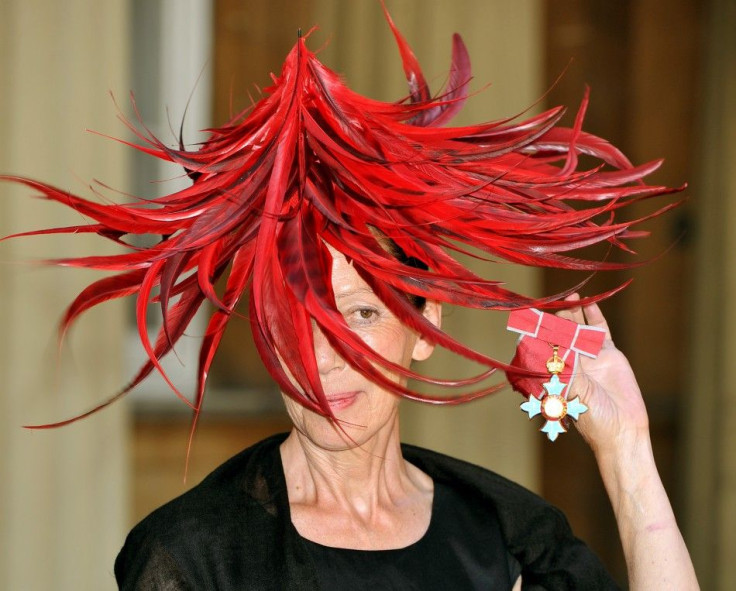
(234, 531)
(463, 544)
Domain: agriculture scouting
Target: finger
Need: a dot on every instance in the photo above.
(575, 313)
(594, 317)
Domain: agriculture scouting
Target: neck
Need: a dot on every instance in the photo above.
(365, 497)
(356, 476)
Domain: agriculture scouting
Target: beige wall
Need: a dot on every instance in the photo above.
(62, 492)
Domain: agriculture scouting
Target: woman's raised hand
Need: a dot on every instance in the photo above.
(606, 384)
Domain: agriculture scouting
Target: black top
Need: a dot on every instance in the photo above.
(463, 540)
(234, 531)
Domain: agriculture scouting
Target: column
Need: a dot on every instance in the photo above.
(63, 492)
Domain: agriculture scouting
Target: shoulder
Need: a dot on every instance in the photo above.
(518, 509)
(247, 481)
(536, 532)
(471, 478)
(241, 499)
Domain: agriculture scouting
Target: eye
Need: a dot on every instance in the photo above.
(363, 316)
(366, 313)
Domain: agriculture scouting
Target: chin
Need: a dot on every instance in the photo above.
(330, 436)
(358, 422)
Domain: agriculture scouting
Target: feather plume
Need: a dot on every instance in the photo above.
(315, 164)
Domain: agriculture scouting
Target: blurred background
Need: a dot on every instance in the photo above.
(663, 78)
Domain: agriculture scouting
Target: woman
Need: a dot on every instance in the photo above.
(339, 213)
(341, 505)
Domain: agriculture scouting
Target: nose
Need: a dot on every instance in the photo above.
(327, 358)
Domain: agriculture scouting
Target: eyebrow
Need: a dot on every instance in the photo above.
(352, 292)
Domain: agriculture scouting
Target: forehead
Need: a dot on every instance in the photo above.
(345, 279)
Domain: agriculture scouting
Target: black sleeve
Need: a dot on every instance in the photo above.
(553, 558)
(146, 565)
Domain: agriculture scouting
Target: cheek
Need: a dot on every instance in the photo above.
(395, 346)
(295, 410)
(394, 343)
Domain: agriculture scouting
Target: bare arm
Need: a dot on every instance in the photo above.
(617, 429)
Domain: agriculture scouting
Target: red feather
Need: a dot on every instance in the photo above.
(315, 164)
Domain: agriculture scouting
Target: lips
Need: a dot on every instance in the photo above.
(342, 399)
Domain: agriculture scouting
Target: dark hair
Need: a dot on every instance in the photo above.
(417, 301)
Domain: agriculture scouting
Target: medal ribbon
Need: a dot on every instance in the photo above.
(539, 332)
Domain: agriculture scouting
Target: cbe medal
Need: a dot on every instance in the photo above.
(569, 340)
(552, 404)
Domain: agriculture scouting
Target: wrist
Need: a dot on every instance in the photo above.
(656, 555)
(634, 443)
(627, 467)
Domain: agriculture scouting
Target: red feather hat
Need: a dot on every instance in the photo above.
(315, 164)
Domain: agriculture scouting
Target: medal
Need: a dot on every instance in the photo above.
(569, 340)
(552, 403)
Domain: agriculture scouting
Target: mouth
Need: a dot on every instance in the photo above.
(342, 400)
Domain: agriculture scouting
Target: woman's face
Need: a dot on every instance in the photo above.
(364, 409)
